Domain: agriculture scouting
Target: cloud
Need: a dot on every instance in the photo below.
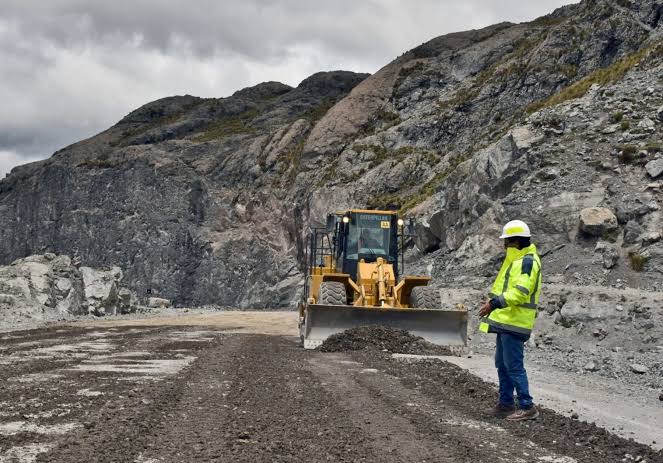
(71, 68)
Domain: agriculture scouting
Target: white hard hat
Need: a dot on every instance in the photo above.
(515, 228)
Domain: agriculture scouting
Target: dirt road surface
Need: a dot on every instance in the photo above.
(236, 387)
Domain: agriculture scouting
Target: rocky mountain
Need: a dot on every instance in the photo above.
(205, 201)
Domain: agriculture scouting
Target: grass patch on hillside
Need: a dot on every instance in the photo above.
(406, 202)
(548, 21)
(290, 162)
(388, 118)
(228, 126)
(603, 76)
(100, 162)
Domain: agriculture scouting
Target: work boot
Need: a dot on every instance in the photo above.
(500, 411)
(531, 413)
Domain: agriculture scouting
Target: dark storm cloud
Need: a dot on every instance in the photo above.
(73, 67)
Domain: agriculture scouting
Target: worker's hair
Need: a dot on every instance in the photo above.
(522, 241)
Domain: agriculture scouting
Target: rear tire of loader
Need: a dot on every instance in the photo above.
(333, 293)
(425, 297)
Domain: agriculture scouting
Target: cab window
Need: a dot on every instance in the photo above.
(368, 236)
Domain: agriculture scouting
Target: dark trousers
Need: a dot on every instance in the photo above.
(510, 364)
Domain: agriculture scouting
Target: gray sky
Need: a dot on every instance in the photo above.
(71, 68)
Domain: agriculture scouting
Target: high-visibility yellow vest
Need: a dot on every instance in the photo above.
(516, 290)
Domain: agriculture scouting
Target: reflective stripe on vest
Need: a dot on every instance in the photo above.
(506, 279)
(486, 322)
(532, 304)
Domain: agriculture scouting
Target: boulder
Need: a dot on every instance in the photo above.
(632, 232)
(158, 303)
(425, 239)
(638, 368)
(128, 301)
(654, 168)
(610, 257)
(598, 221)
(575, 312)
(647, 124)
(651, 238)
(101, 290)
(659, 113)
(524, 138)
(548, 173)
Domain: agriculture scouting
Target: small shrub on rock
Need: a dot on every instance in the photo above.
(617, 116)
(638, 261)
(628, 154)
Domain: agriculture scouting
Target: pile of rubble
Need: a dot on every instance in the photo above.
(49, 287)
(381, 338)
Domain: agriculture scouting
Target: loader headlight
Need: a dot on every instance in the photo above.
(401, 222)
(346, 219)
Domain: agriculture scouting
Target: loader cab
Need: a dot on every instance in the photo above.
(366, 235)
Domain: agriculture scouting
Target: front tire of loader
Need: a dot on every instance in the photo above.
(333, 293)
(425, 297)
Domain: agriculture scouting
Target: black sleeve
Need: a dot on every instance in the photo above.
(528, 264)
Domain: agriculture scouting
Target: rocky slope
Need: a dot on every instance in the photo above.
(204, 201)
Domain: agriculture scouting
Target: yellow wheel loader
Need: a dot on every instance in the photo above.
(354, 278)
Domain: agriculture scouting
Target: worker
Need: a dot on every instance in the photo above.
(510, 313)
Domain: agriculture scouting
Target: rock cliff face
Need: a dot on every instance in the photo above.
(204, 201)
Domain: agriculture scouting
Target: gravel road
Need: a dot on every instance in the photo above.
(149, 393)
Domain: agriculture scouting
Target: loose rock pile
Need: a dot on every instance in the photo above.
(381, 338)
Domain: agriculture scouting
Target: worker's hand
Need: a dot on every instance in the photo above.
(485, 309)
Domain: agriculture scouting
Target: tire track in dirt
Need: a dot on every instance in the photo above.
(392, 434)
(251, 400)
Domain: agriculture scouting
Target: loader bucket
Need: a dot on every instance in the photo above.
(441, 327)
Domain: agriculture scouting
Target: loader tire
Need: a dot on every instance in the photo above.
(333, 293)
(425, 297)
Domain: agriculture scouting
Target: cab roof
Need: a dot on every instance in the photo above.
(366, 211)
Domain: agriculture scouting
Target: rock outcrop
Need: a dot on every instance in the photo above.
(48, 287)
(206, 201)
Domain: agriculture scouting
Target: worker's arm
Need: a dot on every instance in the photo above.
(522, 284)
